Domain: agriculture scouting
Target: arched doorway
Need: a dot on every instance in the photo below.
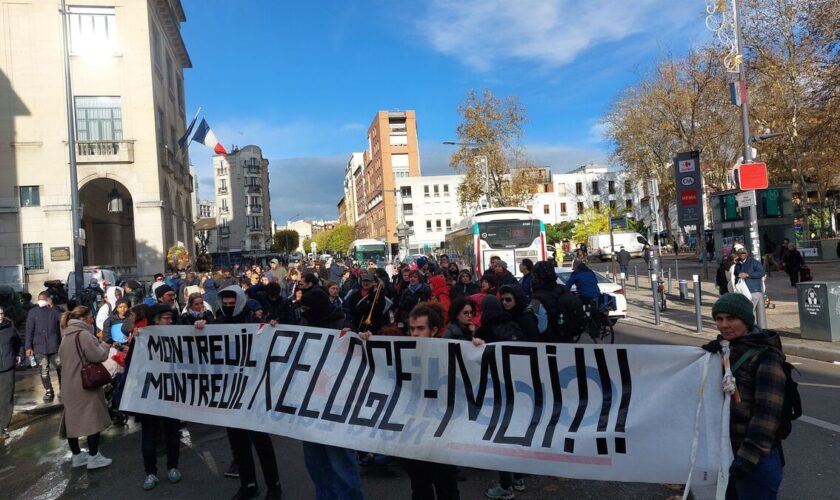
(109, 233)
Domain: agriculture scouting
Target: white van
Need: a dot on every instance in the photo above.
(599, 244)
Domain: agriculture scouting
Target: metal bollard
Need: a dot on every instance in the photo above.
(697, 303)
(683, 286)
(669, 281)
(654, 285)
(677, 264)
(636, 277)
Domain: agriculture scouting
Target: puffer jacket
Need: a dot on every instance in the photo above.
(9, 345)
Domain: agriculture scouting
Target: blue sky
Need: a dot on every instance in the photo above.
(303, 80)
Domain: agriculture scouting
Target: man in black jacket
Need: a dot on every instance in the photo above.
(43, 336)
(232, 311)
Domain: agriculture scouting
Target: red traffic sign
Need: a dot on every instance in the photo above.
(752, 176)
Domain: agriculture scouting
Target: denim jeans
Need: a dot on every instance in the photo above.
(334, 471)
(762, 482)
(44, 362)
(623, 268)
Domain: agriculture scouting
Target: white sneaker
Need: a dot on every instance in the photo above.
(150, 482)
(81, 459)
(98, 461)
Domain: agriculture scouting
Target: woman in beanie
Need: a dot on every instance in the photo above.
(757, 360)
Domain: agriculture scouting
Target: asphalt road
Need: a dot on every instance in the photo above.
(812, 451)
(34, 462)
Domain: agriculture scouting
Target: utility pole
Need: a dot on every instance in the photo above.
(755, 242)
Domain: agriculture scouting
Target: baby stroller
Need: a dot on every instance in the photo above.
(113, 391)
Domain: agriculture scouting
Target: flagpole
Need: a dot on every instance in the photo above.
(186, 145)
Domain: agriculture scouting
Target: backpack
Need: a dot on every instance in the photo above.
(792, 405)
(564, 314)
(87, 298)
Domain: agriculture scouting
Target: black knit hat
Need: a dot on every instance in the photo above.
(737, 305)
(161, 290)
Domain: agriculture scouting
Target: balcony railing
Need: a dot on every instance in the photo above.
(254, 209)
(221, 171)
(223, 190)
(224, 231)
(253, 169)
(254, 189)
(105, 151)
(167, 158)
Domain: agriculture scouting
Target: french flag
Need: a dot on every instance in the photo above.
(206, 136)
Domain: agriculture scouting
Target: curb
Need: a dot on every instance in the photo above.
(802, 351)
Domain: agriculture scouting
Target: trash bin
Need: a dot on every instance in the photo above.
(819, 310)
(683, 289)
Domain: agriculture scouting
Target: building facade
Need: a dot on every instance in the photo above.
(392, 153)
(354, 188)
(206, 209)
(243, 202)
(429, 206)
(126, 64)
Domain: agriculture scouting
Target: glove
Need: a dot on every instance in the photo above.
(740, 468)
(713, 347)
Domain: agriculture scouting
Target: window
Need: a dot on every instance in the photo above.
(611, 187)
(428, 225)
(437, 193)
(628, 187)
(437, 225)
(446, 189)
(426, 191)
(546, 209)
(30, 196)
(580, 207)
(612, 203)
(597, 205)
(100, 119)
(562, 209)
(410, 223)
(628, 204)
(561, 190)
(92, 29)
(33, 256)
(155, 45)
(398, 133)
(255, 221)
(408, 209)
(405, 191)
(449, 224)
(224, 206)
(578, 188)
(594, 187)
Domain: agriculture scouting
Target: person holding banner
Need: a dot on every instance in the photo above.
(232, 311)
(756, 412)
(151, 425)
(333, 470)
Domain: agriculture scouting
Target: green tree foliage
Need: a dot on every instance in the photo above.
(340, 238)
(285, 241)
(556, 233)
(307, 244)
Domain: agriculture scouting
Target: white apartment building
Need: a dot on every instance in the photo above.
(353, 173)
(429, 205)
(243, 202)
(206, 209)
(126, 65)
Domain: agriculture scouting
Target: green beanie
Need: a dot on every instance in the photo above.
(737, 305)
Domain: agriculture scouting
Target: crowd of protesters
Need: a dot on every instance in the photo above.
(430, 298)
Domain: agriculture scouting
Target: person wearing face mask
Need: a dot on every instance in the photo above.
(112, 333)
(232, 310)
(43, 337)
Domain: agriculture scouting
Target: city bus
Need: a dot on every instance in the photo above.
(364, 251)
(510, 233)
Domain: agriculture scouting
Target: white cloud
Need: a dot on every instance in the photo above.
(551, 32)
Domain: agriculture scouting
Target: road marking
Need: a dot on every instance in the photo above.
(830, 386)
(820, 423)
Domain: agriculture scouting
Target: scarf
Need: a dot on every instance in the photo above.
(414, 288)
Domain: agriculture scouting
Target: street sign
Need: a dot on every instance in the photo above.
(752, 176)
(746, 199)
(689, 184)
(618, 222)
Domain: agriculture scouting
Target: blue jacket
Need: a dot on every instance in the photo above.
(755, 271)
(586, 283)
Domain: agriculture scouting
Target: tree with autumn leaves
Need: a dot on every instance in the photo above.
(793, 67)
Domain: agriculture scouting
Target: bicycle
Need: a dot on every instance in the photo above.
(596, 324)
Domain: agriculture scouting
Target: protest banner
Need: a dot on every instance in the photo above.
(604, 412)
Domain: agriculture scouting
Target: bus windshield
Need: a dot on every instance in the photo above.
(509, 233)
(367, 253)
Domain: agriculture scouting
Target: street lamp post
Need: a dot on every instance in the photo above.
(761, 316)
(75, 214)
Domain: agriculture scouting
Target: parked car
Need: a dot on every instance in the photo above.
(295, 257)
(605, 285)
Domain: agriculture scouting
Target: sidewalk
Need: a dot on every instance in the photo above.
(28, 397)
(679, 318)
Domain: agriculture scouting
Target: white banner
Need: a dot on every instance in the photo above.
(520, 407)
